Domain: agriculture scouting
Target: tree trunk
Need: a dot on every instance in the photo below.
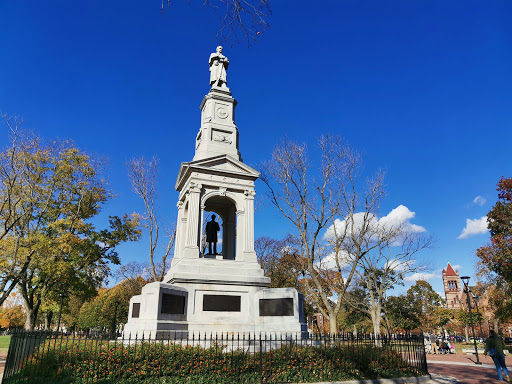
(355, 331)
(31, 309)
(467, 333)
(48, 320)
(376, 318)
(333, 325)
(31, 317)
(496, 326)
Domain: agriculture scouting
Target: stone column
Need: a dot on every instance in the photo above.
(240, 237)
(249, 253)
(192, 239)
(179, 231)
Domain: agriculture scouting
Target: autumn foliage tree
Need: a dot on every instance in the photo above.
(497, 255)
(58, 190)
(495, 259)
(11, 312)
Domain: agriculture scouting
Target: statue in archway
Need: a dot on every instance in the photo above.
(218, 65)
(212, 227)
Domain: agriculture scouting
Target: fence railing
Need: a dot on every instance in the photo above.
(51, 358)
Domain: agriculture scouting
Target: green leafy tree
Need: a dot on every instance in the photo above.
(352, 318)
(98, 313)
(59, 190)
(401, 313)
(425, 302)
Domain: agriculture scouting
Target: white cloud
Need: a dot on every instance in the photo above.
(329, 261)
(479, 200)
(457, 266)
(399, 218)
(422, 276)
(474, 227)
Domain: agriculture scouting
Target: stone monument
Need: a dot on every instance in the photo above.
(226, 292)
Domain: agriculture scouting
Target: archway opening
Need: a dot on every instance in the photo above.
(225, 211)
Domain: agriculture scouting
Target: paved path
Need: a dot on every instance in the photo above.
(463, 368)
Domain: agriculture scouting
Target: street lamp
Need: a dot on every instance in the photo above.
(465, 280)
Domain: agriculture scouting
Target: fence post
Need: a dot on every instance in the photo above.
(424, 365)
(261, 361)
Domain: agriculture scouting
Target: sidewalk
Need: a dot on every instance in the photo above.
(463, 368)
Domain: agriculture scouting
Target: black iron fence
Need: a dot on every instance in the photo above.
(50, 358)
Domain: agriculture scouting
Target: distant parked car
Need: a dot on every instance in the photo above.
(508, 340)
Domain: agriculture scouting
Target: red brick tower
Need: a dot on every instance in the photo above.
(452, 287)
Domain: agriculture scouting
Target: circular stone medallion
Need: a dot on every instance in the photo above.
(222, 113)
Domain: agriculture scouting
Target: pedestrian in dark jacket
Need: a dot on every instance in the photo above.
(494, 347)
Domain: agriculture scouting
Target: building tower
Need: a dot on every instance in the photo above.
(452, 287)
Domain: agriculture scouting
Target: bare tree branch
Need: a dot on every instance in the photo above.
(143, 177)
(240, 20)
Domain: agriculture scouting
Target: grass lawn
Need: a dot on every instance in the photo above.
(4, 344)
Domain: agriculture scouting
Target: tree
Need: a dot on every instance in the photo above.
(497, 256)
(241, 20)
(351, 317)
(11, 312)
(17, 204)
(59, 189)
(495, 259)
(401, 313)
(98, 312)
(385, 265)
(425, 302)
(143, 175)
(463, 316)
(279, 261)
(336, 251)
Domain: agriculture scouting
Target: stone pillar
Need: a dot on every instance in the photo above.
(179, 231)
(240, 237)
(249, 253)
(192, 239)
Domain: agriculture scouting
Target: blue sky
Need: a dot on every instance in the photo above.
(422, 88)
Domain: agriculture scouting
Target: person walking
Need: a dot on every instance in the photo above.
(494, 347)
(433, 342)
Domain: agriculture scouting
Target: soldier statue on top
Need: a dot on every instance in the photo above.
(218, 65)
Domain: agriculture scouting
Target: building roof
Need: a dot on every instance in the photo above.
(450, 271)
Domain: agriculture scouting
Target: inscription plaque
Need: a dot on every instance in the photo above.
(135, 310)
(173, 304)
(276, 307)
(221, 303)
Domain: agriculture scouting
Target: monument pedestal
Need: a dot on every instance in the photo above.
(215, 296)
